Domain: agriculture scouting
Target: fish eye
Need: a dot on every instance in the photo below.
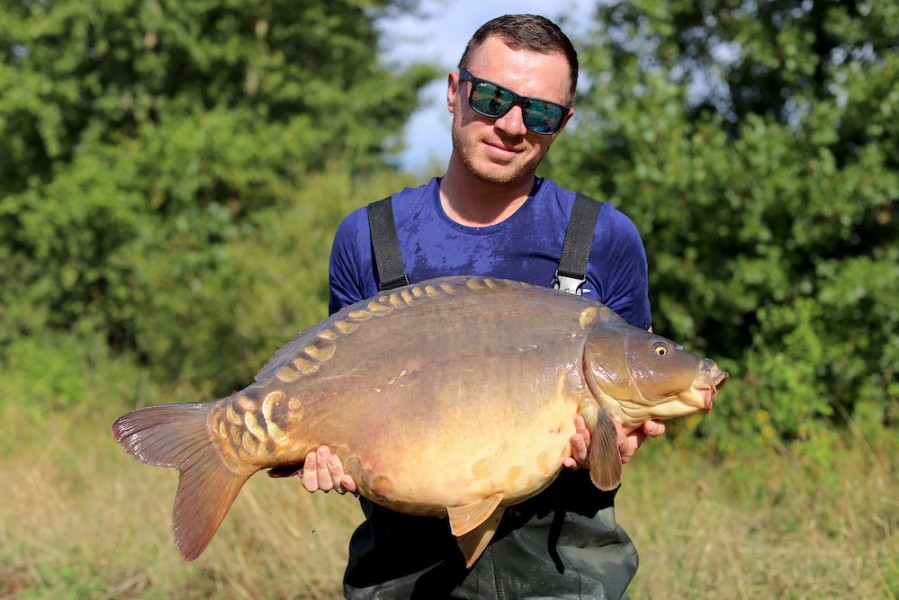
(660, 349)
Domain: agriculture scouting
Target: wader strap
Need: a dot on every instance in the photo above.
(386, 245)
(569, 277)
(572, 271)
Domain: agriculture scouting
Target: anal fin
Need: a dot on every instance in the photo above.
(475, 541)
(466, 518)
(475, 524)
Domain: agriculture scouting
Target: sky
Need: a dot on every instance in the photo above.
(440, 37)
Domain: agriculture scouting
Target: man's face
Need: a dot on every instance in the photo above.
(503, 151)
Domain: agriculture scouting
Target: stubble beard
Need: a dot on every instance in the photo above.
(518, 174)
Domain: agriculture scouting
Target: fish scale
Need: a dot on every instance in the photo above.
(453, 397)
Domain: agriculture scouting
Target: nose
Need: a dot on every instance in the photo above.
(512, 123)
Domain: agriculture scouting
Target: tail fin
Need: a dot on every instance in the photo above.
(177, 435)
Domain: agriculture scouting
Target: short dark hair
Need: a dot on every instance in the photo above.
(528, 32)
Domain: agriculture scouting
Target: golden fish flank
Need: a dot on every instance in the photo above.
(477, 368)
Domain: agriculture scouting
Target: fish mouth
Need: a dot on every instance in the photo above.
(709, 391)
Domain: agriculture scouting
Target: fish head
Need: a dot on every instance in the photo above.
(640, 376)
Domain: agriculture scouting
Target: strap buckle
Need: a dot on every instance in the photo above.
(567, 284)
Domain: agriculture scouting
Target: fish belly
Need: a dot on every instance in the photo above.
(451, 433)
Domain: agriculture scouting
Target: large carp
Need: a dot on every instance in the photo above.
(453, 397)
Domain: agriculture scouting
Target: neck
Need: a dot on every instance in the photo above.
(473, 202)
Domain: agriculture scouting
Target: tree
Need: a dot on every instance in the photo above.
(756, 146)
(141, 143)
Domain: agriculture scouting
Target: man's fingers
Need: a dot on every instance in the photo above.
(580, 442)
(348, 484)
(628, 442)
(310, 473)
(631, 442)
(654, 428)
(323, 456)
(323, 471)
(635, 438)
(580, 426)
(579, 450)
(335, 474)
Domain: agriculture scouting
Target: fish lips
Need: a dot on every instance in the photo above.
(709, 386)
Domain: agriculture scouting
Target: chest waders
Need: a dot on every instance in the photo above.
(564, 543)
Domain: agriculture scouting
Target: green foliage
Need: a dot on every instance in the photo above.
(75, 73)
(148, 151)
(755, 146)
(59, 372)
(170, 178)
(218, 315)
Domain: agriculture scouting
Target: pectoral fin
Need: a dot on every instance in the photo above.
(474, 525)
(605, 459)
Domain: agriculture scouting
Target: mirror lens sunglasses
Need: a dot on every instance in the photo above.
(492, 100)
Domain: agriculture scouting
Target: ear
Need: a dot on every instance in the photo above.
(564, 122)
(452, 88)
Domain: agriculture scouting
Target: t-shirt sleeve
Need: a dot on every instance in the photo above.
(347, 262)
(623, 258)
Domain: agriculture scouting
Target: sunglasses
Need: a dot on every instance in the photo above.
(492, 100)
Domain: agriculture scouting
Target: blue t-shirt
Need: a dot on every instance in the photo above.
(525, 247)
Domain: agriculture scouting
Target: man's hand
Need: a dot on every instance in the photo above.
(635, 438)
(627, 443)
(323, 471)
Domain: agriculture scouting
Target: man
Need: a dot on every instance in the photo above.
(490, 215)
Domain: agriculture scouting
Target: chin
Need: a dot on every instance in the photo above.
(498, 174)
(488, 170)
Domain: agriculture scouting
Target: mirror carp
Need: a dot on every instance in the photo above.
(452, 397)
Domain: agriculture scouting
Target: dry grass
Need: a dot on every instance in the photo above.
(81, 519)
(766, 525)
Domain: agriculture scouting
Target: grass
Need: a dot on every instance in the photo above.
(765, 524)
(80, 519)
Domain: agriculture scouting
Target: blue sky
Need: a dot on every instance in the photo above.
(440, 36)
